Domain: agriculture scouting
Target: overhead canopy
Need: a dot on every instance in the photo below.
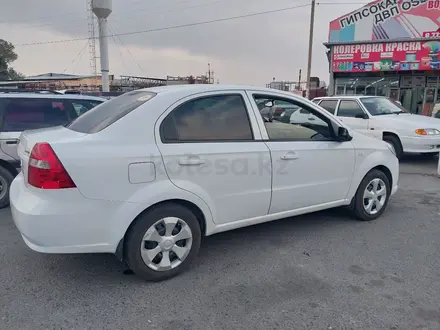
(387, 20)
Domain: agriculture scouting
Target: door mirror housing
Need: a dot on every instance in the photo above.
(343, 135)
(269, 104)
(362, 116)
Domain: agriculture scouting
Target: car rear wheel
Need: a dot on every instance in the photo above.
(163, 242)
(6, 178)
(372, 196)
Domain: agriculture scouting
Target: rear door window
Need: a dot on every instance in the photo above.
(110, 111)
(19, 114)
(329, 105)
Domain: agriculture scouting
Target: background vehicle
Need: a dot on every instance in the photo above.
(275, 109)
(188, 161)
(384, 119)
(21, 111)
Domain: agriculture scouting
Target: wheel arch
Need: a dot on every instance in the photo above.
(393, 134)
(9, 167)
(201, 218)
(384, 169)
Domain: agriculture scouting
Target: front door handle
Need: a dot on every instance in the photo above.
(188, 161)
(290, 156)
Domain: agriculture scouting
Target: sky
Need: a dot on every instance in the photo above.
(251, 50)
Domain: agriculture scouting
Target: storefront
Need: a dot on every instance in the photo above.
(388, 48)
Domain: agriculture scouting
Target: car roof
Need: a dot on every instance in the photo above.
(200, 88)
(345, 97)
(51, 96)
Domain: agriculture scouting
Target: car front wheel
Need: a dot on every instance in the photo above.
(162, 242)
(372, 196)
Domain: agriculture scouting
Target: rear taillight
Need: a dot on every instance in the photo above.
(45, 170)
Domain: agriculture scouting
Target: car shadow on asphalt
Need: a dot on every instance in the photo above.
(95, 268)
(420, 159)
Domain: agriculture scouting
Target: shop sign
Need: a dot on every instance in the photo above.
(392, 56)
(388, 19)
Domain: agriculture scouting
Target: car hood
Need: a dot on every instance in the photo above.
(411, 120)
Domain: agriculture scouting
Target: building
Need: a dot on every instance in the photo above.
(388, 48)
(318, 87)
(85, 83)
(188, 80)
(57, 81)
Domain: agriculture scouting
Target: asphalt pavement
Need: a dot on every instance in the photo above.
(320, 271)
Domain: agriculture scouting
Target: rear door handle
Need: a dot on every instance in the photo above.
(13, 141)
(188, 161)
(291, 155)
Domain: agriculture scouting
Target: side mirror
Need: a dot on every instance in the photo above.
(361, 116)
(343, 134)
(269, 104)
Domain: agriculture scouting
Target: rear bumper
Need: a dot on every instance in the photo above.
(62, 221)
(422, 144)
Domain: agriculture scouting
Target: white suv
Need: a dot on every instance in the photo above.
(384, 119)
(23, 111)
(147, 174)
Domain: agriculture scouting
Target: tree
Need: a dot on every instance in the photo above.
(7, 56)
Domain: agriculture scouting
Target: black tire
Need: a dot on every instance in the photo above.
(6, 178)
(395, 142)
(135, 234)
(357, 204)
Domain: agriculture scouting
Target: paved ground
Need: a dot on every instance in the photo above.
(321, 271)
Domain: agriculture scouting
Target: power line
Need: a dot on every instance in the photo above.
(119, 51)
(140, 10)
(173, 27)
(77, 55)
(126, 48)
(80, 58)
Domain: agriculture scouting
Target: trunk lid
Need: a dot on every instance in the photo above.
(50, 135)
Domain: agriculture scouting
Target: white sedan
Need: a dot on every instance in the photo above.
(379, 117)
(147, 174)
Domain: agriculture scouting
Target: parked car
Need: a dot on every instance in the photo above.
(21, 111)
(146, 175)
(275, 109)
(384, 119)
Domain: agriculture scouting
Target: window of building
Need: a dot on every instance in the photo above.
(350, 108)
(211, 118)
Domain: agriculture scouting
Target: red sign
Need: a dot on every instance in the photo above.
(432, 34)
(392, 56)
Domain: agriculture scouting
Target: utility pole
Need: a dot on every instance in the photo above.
(309, 60)
(299, 81)
(92, 38)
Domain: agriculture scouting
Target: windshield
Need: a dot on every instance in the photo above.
(378, 106)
